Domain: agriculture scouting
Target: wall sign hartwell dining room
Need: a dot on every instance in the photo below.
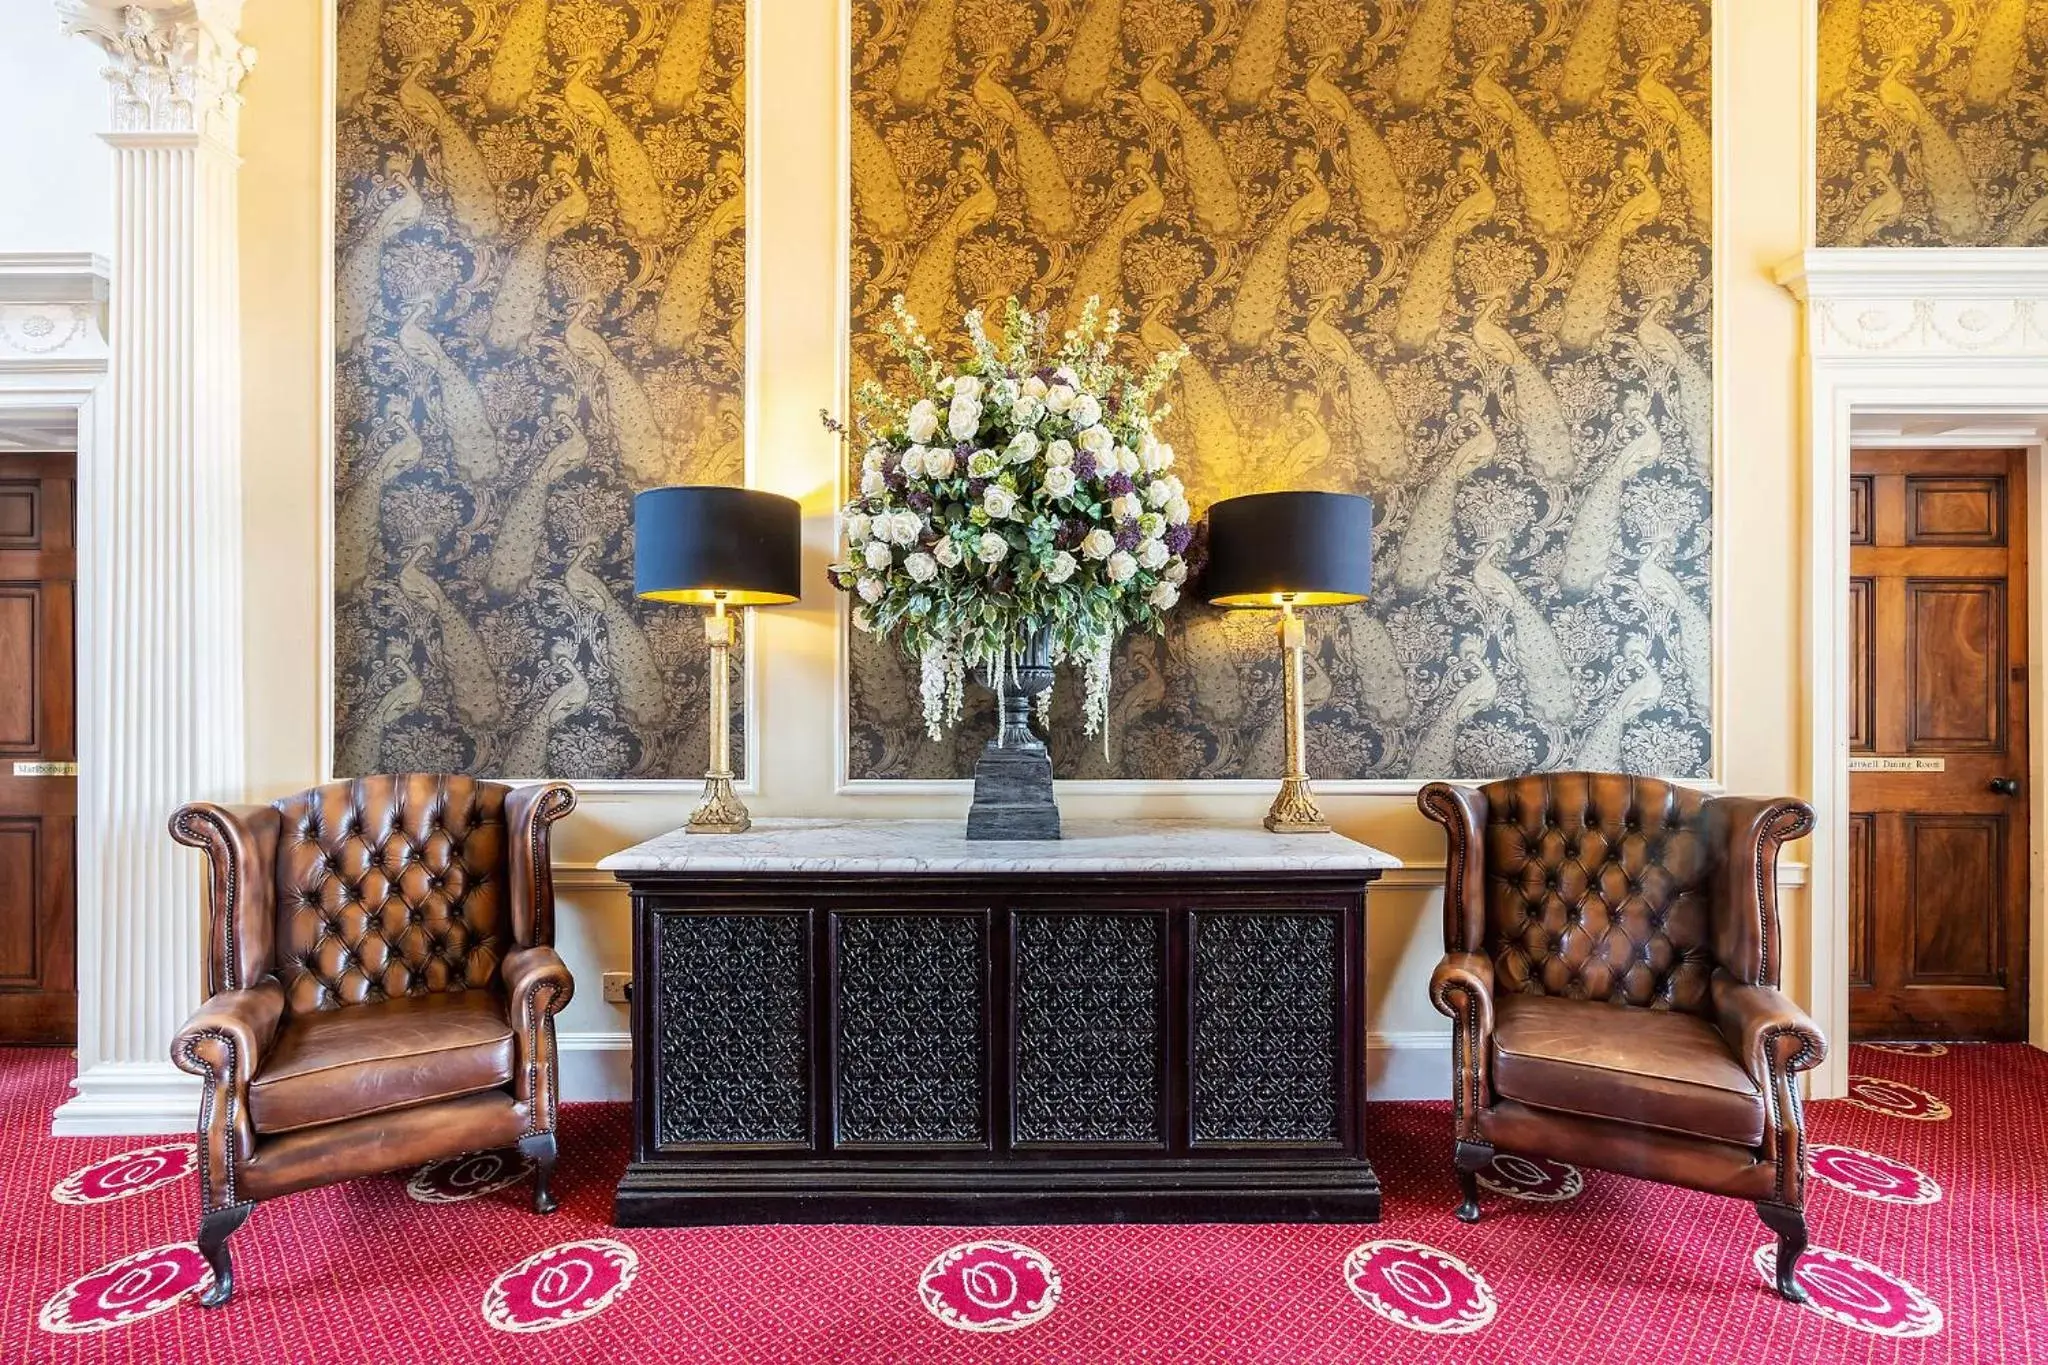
(854, 1021)
(1454, 254)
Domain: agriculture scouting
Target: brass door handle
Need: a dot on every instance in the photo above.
(2006, 786)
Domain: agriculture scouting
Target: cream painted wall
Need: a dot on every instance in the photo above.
(795, 104)
(56, 176)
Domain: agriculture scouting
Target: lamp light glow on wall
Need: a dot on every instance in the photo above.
(1290, 550)
(717, 547)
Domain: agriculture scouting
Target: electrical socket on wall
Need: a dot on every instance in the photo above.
(616, 987)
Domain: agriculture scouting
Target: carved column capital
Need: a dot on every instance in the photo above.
(174, 66)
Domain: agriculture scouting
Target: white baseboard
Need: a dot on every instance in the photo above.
(120, 1099)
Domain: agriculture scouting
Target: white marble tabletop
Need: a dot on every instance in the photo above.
(864, 846)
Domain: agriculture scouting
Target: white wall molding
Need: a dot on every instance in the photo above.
(1958, 333)
(160, 714)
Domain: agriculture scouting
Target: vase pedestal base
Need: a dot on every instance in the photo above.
(1013, 795)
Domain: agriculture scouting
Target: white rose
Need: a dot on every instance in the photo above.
(924, 421)
(1095, 440)
(1087, 411)
(872, 483)
(991, 548)
(938, 463)
(1027, 412)
(1173, 486)
(1127, 460)
(871, 462)
(1120, 567)
(1152, 526)
(1060, 481)
(913, 462)
(1152, 555)
(1126, 508)
(1163, 595)
(1157, 494)
(966, 386)
(1177, 512)
(1004, 393)
(1176, 572)
(1058, 399)
(856, 527)
(946, 552)
(1065, 375)
(923, 568)
(1059, 453)
(1148, 453)
(1023, 447)
(998, 501)
(963, 419)
(878, 556)
(1062, 567)
(1033, 387)
(1098, 544)
(871, 589)
(905, 527)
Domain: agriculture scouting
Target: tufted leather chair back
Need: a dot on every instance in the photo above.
(1600, 887)
(390, 886)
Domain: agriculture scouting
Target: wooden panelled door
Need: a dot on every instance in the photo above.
(38, 751)
(1938, 780)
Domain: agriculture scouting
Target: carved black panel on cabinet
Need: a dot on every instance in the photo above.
(1265, 1040)
(912, 1050)
(733, 1051)
(1088, 994)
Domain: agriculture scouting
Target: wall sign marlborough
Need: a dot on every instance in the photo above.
(539, 304)
(45, 768)
(1454, 255)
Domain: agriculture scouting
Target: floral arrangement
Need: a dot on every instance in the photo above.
(1023, 492)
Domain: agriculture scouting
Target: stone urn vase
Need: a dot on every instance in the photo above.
(1013, 778)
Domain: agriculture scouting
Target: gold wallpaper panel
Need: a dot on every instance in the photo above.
(540, 266)
(1933, 123)
(1452, 253)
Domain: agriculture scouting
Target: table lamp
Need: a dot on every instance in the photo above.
(717, 547)
(1290, 550)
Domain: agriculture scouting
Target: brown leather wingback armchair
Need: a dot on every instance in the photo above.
(383, 982)
(1611, 971)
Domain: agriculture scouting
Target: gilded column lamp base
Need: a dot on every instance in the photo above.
(721, 811)
(1295, 810)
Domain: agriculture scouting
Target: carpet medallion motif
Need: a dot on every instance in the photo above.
(1896, 1099)
(1855, 1293)
(126, 1175)
(1419, 1286)
(989, 1286)
(561, 1285)
(1533, 1178)
(1872, 1176)
(124, 1291)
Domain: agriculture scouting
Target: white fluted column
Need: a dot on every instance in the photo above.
(160, 554)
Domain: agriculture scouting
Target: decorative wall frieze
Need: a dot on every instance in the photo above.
(174, 66)
(1933, 303)
(53, 308)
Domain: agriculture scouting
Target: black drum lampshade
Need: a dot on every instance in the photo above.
(1295, 549)
(703, 544)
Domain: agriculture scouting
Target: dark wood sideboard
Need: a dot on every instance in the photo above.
(840, 1021)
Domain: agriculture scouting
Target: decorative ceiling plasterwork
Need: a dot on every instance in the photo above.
(175, 66)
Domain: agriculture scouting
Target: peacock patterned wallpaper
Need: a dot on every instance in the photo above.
(1933, 123)
(1452, 253)
(538, 313)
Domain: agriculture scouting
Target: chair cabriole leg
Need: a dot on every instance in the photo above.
(539, 1148)
(1790, 1225)
(215, 1227)
(1472, 1158)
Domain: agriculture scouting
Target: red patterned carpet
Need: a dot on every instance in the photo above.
(1934, 1229)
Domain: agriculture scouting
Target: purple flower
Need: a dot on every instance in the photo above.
(919, 500)
(1084, 464)
(975, 488)
(893, 475)
(962, 451)
(1118, 484)
(1128, 535)
(1178, 538)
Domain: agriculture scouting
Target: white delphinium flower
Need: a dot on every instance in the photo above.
(1059, 453)
(1098, 544)
(1120, 567)
(1087, 410)
(1126, 507)
(998, 501)
(879, 557)
(946, 552)
(1095, 688)
(1163, 595)
(871, 589)
(938, 462)
(991, 548)
(872, 484)
(1023, 447)
(923, 422)
(963, 419)
(905, 527)
(923, 568)
(1058, 399)
(1059, 482)
(1152, 554)
(1062, 567)
(1177, 511)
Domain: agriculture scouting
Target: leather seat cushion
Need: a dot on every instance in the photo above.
(1654, 1068)
(390, 1054)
